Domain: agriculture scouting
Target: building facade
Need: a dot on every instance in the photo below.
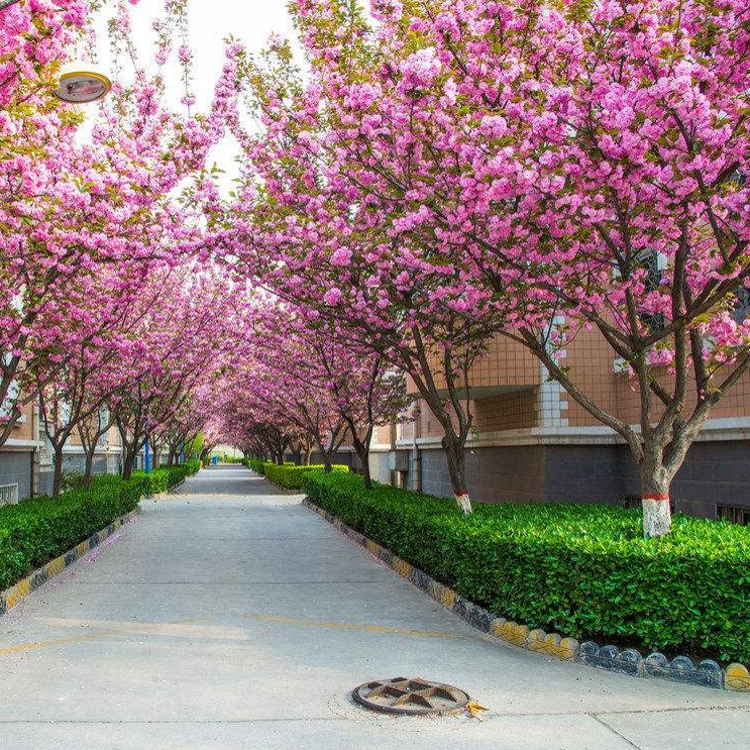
(19, 459)
(26, 459)
(532, 442)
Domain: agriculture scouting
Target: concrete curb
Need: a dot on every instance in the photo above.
(629, 661)
(18, 592)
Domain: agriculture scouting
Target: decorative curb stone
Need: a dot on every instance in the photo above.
(737, 678)
(611, 658)
(12, 596)
(629, 661)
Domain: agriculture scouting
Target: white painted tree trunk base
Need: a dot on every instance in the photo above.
(657, 518)
(463, 502)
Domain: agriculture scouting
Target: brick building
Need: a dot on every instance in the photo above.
(19, 459)
(533, 442)
(26, 458)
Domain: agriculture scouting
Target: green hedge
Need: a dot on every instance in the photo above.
(256, 465)
(290, 476)
(580, 570)
(160, 480)
(38, 530)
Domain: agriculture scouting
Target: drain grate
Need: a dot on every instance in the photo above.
(410, 696)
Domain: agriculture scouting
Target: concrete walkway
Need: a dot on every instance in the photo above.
(227, 616)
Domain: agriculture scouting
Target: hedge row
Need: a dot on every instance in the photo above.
(160, 480)
(580, 570)
(40, 529)
(288, 476)
(256, 465)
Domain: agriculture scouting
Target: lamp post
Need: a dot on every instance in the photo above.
(78, 83)
(81, 85)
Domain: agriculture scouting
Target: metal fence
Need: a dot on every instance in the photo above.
(8, 494)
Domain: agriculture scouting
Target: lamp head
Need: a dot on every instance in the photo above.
(80, 85)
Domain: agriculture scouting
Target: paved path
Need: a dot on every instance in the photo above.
(227, 616)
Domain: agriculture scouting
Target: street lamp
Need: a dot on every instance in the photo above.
(80, 85)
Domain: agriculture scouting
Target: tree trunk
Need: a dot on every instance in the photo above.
(327, 454)
(57, 476)
(655, 482)
(455, 457)
(88, 470)
(362, 449)
(155, 448)
(128, 464)
(366, 476)
(308, 455)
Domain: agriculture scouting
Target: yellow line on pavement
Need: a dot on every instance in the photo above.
(121, 629)
(354, 626)
(23, 647)
(182, 628)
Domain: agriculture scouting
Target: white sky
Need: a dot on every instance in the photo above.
(252, 22)
(211, 21)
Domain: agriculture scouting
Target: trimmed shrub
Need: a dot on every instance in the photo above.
(38, 530)
(580, 570)
(160, 480)
(256, 465)
(290, 476)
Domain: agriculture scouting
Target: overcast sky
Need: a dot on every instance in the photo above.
(211, 21)
(252, 22)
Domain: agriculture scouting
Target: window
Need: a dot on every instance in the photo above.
(734, 514)
(652, 263)
(741, 304)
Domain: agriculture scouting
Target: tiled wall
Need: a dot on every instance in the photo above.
(509, 411)
(714, 473)
(382, 435)
(24, 430)
(492, 474)
(505, 363)
(591, 361)
(102, 464)
(592, 365)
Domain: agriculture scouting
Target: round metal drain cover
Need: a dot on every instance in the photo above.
(411, 696)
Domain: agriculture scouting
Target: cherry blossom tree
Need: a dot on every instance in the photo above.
(34, 38)
(91, 429)
(177, 347)
(302, 225)
(70, 210)
(571, 166)
(295, 384)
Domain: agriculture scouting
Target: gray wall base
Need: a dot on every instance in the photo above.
(714, 473)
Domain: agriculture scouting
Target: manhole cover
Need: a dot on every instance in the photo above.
(412, 696)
